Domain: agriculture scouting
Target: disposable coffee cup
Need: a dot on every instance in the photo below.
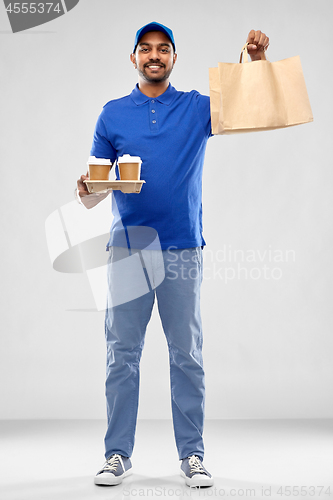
(129, 167)
(99, 168)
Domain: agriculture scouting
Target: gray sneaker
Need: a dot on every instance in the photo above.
(194, 473)
(114, 470)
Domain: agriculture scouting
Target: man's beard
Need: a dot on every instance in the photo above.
(154, 79)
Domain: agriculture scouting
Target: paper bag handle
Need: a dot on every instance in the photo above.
(246, 54)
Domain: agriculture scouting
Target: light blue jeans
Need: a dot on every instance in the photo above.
(178, 300)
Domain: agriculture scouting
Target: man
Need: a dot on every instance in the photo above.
(169, 131)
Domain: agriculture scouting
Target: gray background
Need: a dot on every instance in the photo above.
(268, 341)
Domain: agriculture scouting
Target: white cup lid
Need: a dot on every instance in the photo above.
(129, 159)
(98, 161)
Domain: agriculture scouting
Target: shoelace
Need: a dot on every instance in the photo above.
(112, 463)
(196, 466)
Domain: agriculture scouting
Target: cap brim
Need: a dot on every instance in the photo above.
(153, 27)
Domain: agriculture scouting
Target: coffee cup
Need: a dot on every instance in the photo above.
(99, 168)
(129, 167)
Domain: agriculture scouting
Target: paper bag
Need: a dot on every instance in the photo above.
(258, 95)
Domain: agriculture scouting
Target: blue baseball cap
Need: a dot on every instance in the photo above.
(153, 27)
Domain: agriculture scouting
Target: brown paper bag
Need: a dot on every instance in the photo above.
(258, 95)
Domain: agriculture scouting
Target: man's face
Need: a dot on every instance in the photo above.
(154, 57)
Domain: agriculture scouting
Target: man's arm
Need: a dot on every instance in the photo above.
(258, 43)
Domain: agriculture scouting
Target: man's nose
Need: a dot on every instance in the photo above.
(154, 54)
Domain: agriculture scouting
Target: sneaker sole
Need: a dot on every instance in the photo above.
(108, 479)
(197, 480)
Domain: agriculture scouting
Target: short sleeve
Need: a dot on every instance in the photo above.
(203, 103)
(102, 147)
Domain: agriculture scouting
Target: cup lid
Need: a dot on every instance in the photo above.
(129, 159)
(98, 161)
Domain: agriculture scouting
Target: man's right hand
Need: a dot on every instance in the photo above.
(81, 186)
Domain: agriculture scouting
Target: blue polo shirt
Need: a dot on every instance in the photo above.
(169, 133)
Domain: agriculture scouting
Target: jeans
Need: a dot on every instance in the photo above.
(178, 300)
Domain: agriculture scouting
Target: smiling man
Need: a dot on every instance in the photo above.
(169, 130)
(154, 59)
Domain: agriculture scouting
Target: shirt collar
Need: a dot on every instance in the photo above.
(166, 98)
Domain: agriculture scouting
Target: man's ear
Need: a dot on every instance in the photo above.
(174, 58)
(133, 60)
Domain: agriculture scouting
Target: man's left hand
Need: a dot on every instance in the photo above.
(258, 43)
